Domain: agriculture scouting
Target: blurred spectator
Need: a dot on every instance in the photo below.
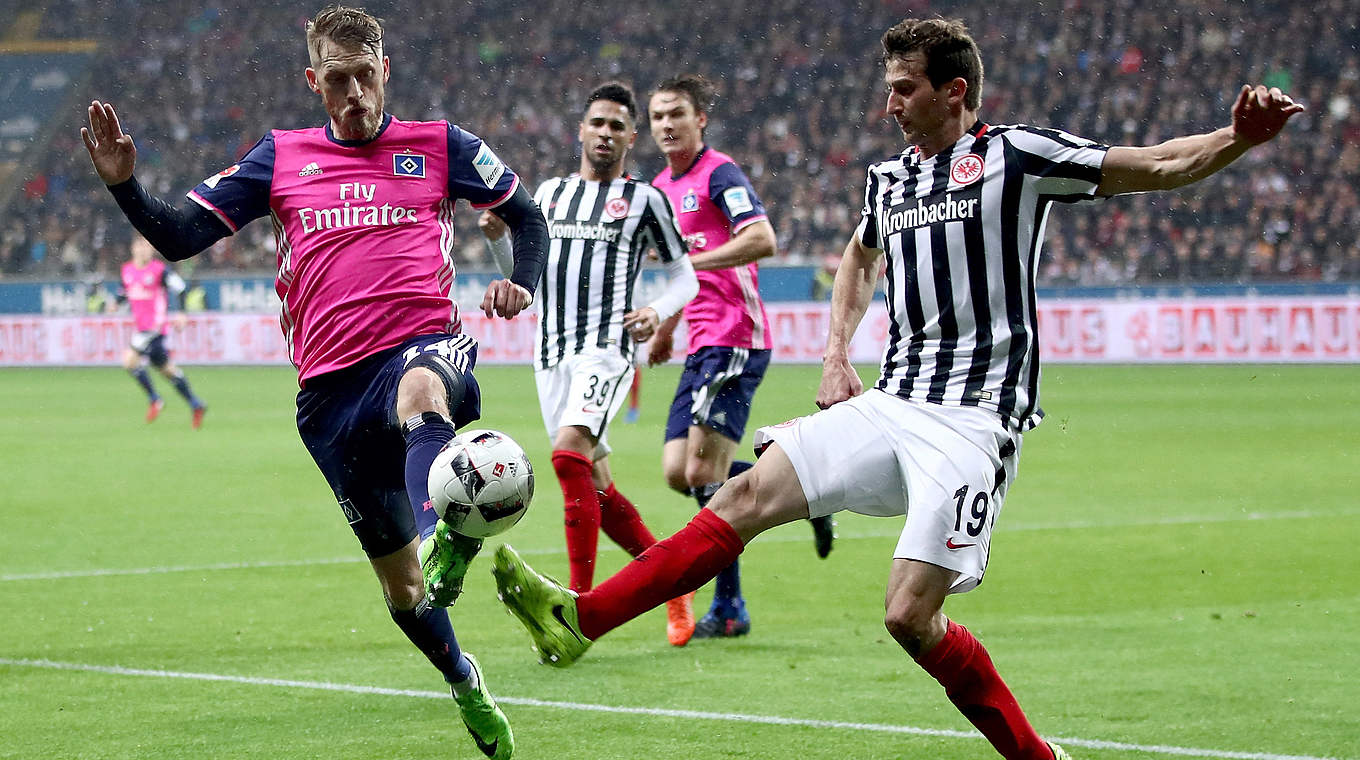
(794, 107)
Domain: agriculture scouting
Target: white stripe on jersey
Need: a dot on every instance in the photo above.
(447, 269)
(285, 276)
(962, 249)
(598, 234)
(751, 296)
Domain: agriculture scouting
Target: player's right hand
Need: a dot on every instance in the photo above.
(504, 298)
(1259, 113)
(111, 151)
(840, 382)
(661, 348)
(491, 225)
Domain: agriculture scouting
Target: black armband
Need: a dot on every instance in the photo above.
(177, 233)
(529, 237)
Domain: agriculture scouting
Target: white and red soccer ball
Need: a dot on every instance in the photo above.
(481, 483)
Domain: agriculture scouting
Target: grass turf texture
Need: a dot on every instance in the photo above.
(1175, 567)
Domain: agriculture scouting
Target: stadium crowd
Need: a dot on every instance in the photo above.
(799, 107)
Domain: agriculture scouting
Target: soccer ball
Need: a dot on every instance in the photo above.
(481, 483)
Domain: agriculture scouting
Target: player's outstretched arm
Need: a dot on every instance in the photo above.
(112, 152)
(1258, 115)
(177, 233)
(850, 298)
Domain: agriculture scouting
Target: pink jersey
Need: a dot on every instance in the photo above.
(364, 230)
(146, 294)
(713, 200)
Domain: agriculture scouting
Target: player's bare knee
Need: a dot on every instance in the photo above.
(421, 390)
(910, 626)
(404, 595)
(751, 504)
(677, 481)
(701, 472)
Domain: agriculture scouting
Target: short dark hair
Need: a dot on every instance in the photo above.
(948, 49)
(699, 90)
(615, 92)
(346, 26)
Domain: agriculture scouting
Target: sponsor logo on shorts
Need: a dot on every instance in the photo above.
(949, 544)
(351, 514)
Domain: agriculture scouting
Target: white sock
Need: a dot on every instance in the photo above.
(461, 688)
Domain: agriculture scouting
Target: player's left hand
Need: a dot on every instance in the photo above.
(1260, 113)
(641, 323)
(505, 299)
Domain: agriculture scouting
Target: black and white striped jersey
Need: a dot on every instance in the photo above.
(599, 233)
(962, 232)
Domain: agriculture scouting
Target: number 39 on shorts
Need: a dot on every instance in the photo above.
(598, 392)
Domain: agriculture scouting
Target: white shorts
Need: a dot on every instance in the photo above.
(585, 389)
(946, 468)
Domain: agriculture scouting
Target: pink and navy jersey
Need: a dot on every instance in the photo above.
(147, 289)
(713, 201)
(364, 230)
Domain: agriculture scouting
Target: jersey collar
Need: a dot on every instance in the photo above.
(702, 150)
(912, 155)
(387, 119)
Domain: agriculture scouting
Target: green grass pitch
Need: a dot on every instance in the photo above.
(1173, 575)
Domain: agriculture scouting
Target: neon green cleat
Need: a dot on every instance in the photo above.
(444, 560)
(544, 607)
(1058, 752)
(484, 720)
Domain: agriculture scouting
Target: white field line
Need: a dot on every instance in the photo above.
(783, 537)
(770, 720)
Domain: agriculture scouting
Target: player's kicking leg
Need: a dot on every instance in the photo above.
(483, 718)
(954, 657)
(429, 388)
(428, 628)
(563, 625)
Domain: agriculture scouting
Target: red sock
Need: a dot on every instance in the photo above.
(621, 522)
(671, 567)
(581, 513)
(635, 391)
(962, 666)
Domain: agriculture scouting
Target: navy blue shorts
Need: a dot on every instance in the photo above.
(716, 390)
(151, 344)
(348, 421)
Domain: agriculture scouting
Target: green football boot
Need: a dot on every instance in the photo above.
(484, 720)
(1058, 752)
(444, 560)
(544, 607)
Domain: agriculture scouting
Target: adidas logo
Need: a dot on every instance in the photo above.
(310, 170)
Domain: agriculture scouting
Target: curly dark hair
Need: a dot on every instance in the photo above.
(615, 92)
